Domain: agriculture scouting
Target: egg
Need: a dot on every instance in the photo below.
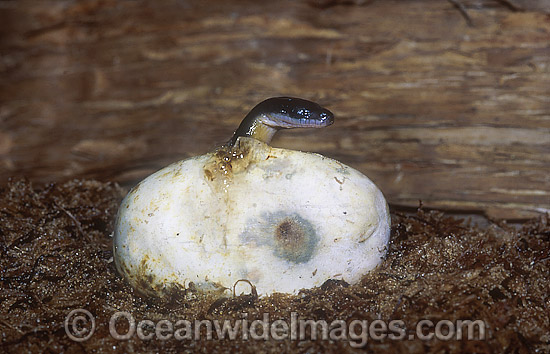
(280, 219)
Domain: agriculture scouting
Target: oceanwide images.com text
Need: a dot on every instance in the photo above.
(80, 326)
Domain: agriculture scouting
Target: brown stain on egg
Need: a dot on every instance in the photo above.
(227, 161)
(294, 238)
(290, 237)
(208, 174)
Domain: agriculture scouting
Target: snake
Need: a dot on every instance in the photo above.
(276, 113)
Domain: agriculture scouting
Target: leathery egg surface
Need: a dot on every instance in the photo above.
(282, 219)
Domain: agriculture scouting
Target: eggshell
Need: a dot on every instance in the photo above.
(282, 219)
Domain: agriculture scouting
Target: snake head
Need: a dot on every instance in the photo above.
(290, 112)
(273, 114)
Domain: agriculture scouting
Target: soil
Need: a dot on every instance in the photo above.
(56, 244)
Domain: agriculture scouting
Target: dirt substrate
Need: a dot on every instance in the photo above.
(56, 257)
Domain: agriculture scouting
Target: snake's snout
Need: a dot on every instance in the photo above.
(326, 118)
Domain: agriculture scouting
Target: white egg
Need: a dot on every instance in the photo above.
(282, 219)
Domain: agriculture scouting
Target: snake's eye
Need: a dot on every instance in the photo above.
(304, 113)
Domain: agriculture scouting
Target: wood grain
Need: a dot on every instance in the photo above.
(429, 107)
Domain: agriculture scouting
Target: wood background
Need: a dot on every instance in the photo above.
(433, 104)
